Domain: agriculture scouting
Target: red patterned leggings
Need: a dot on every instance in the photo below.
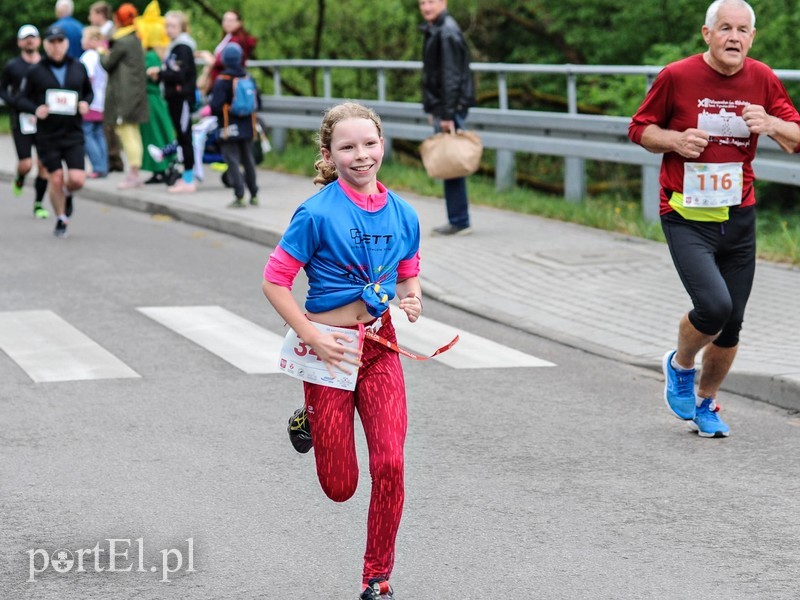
(380, 398)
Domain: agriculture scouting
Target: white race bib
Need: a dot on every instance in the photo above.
(712, 185)
(27, 123)
(299, 360)
(62, 102)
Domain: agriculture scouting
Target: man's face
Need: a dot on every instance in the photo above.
(730, 39)
(29, 44)
(56, 48)
(431, 9)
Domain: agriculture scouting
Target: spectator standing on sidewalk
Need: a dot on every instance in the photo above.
(58, 91)
(178, 75)
(705, 114)
(158, 130)
(95, 139)
(71, 26)
(100, 16)
(233, 31)
(236, 129)
(126, 95)
(23, 125)
(447, 94)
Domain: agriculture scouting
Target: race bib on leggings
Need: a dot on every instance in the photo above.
(299, 360)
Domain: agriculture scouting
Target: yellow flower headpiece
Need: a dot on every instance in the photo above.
(151, 27)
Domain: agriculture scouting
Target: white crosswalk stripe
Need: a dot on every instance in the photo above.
(471, 352)
(234, 339)
(49, 349)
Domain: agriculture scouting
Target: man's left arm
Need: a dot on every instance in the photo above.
(86, 93)
(785, 133)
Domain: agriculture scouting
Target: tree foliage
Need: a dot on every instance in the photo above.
(600, 32)
(611, 32)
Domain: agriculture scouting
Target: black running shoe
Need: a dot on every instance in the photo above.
(156, 178)
(68, 206)
(61, 229)
(379, 589)
(300, 431)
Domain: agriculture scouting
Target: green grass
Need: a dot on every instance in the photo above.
(778, 231)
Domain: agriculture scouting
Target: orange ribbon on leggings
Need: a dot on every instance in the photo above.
(371, 335)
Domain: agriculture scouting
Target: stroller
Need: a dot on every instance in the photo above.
(213, 156)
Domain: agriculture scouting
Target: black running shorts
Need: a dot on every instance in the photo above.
(54, 152)
(23, 143)
(716, 263)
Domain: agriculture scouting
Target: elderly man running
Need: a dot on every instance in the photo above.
(705, 114)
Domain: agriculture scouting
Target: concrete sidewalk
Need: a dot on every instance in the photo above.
(602, 292)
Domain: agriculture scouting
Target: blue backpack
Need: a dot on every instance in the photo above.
(243, 103)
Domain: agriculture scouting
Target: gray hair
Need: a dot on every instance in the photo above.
(711, 13)
(65, 7)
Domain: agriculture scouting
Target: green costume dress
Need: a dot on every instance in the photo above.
(158, 130)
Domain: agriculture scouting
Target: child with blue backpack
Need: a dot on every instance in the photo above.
(233, 102)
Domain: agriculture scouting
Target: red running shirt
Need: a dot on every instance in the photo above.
(690, 94)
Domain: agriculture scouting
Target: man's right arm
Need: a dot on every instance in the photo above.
(5, 83)
(24, 102)
(689, 143)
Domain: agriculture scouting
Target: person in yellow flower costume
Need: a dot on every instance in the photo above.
(151, 28)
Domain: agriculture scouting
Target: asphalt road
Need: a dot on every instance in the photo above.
(569, 481)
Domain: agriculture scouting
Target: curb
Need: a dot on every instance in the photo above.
(776, 390)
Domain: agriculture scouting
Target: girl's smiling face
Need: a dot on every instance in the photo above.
(356, 150)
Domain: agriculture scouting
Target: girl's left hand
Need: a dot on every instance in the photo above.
(412, 306)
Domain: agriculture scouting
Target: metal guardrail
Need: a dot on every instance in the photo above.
(576, 137)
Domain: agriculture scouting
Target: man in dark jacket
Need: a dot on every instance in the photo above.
(58, 91)
(447, 94)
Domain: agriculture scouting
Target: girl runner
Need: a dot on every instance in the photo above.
(359, 245)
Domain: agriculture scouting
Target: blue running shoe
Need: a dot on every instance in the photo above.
(678, 389)
(707, 422)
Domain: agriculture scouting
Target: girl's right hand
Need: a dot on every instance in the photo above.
(335, 354)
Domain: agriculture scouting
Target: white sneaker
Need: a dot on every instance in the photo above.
(155, 152)
(129, 183)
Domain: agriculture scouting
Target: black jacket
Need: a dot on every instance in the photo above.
(447, 86)
(180, 74)
(14, 73)
(33, 92)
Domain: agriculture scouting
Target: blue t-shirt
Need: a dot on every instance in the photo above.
(345, 248)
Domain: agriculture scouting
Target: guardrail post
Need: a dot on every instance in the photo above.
(278, 137)
(387, 139)
(327, 85)
(651, 190)
(505, 161)
(574, 168)
(505, 170)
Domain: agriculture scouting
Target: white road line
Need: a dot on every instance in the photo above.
(234, 339)
(471, 352)
(49, 349)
